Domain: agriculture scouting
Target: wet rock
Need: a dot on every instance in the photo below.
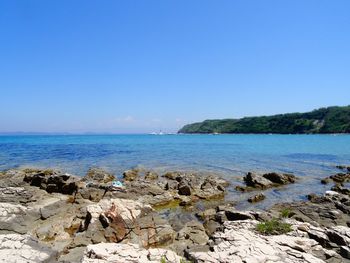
(326, 180)
(257, 181)
(338, 188)
(98, 176)
(343, 167)
(280, 178)
(131, 175)
(340, 177)
(23, 248)
(256, 198)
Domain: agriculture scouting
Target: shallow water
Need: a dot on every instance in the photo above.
(310, 157)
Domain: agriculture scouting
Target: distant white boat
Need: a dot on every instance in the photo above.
(157, 133)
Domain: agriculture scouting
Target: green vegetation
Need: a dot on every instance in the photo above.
(273, 227)
(324, 120)
(286, 212)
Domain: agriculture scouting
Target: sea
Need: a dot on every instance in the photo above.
(309, 157)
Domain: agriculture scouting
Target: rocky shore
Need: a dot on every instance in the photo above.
(49, 216)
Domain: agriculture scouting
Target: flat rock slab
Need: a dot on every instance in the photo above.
(23, 248)
(239, 242)
(112, 252)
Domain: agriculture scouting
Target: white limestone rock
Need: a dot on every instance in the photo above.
(117, 252)
(15, 248)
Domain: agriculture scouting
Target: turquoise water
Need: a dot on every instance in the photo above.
(310, 157)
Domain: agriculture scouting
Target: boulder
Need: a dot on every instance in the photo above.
(184, 189)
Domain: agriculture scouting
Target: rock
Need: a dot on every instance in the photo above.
(13, 217)
(152, 230)
(319, 236)
(116, 227)
(14, 195)
(340, 177)
(123, 253)
(184, 189)
(98, 175)
(343, 167)
(53, 183)
(340, 235)
(208, 214)
(256, 198)
(280, 178)
(238, 242)
(171, 185)
(257, 181)
(151, 176)
(345, 252)
(193, 234)
(91, 193)
(131, 175)
(173, 175)
(326, 181)
(23, 248)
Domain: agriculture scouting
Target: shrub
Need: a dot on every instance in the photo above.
(273, 227)
(286, 212)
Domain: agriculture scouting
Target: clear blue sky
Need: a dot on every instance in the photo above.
(140, 66)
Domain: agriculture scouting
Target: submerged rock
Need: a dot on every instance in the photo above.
(256, 198)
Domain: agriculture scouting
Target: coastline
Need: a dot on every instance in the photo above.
(83, 219)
